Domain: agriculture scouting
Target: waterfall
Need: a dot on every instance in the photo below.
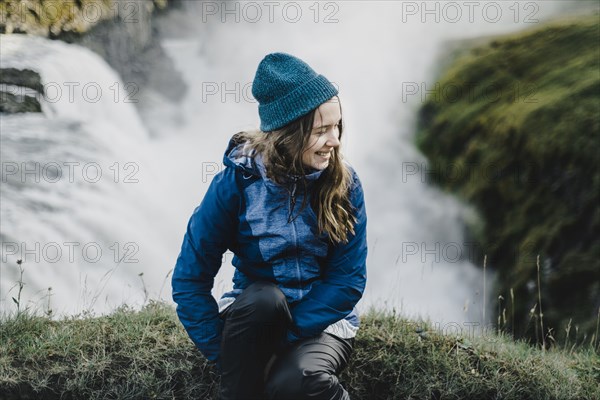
(77, 185)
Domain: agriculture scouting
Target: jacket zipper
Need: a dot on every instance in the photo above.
(295, 233)
(292, 199)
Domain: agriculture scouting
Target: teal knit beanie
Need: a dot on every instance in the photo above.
(287, 88)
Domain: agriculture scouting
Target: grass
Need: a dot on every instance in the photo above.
(146, 354)
(127, 354)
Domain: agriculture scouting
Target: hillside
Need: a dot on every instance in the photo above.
(514, 129)
(146, 354)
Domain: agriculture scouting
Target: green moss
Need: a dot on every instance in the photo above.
(51, 18)
(147, 354)
(531, 146)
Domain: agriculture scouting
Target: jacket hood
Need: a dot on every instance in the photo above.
(238, 156)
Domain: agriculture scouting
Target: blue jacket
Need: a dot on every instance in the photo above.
(258, 220)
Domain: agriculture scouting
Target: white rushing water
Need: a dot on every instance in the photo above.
(375, 52)
(78, 187)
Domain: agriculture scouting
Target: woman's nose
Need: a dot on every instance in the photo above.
(333, 138)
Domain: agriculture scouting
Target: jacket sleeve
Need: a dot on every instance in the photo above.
(210, 230)
(343, 282)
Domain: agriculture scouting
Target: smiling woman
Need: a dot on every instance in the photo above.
(325, 137)
(287, 328)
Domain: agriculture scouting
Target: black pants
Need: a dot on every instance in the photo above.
(255, 326)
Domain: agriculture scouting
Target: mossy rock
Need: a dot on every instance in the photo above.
(520, 114)
(57, 18)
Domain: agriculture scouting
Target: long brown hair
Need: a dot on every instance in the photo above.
(282, 151)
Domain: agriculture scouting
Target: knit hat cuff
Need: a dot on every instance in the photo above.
(296, 103)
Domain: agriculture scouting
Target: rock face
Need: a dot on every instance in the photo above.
(22, 77)
(514, 129)
(13, 98)
(120, 31)
(129, 44)
(13, 104)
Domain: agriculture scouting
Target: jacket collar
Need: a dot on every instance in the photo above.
(237, 157)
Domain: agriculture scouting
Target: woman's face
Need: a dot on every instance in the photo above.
(325, 135)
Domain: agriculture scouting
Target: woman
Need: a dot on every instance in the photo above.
(293, 213)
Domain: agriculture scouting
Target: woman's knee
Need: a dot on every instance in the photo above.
(299, 383)
(264, 301)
